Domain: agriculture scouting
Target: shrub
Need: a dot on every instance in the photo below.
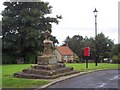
(8, 59)
(30, 58)
(116, 58)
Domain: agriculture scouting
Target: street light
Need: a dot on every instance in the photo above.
(96, 50)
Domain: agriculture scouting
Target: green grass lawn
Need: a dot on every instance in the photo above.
(8, 81)
(91, 66)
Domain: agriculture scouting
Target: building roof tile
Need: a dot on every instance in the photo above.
(64, 50)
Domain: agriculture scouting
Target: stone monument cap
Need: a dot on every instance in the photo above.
(47, 41)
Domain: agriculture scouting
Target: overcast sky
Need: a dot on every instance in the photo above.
(78, 18)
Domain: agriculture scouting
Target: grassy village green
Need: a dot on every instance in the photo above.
(8, 81)
(91, 66)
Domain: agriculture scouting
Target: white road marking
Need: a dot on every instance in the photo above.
(102, 85)
(116, 77)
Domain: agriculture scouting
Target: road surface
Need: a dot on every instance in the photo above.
(100, 79)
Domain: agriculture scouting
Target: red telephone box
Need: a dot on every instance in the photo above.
(87, 51)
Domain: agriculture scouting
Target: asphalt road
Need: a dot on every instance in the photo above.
(100, 79)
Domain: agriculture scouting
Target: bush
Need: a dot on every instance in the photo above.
(116, 59)
(12, 59)
(90, 61)
(77, 61)
(8, 59)
(30, 58)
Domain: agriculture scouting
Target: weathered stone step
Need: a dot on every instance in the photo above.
(47, 72)
(30, 76)
(48, 67)
(65, 74)
(35, 76)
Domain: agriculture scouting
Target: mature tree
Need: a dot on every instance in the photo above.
(23, 26)
(75, 43)
(104, 45)
(0, 28)
(116, 53)
(66, 41)
(118, 48)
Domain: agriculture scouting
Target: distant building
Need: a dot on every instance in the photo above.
(64, 53)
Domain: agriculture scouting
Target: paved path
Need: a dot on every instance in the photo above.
(100, 79)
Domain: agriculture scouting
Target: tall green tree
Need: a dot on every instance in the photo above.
(75, 43)
(23, 26)
(104, 45)
(116, 53)
(118, 48)
(0, 28)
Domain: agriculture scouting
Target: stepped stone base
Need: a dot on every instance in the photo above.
(46, 59)
(48, 66)
(46, 71)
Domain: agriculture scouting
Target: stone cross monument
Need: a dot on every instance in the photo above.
(48, 67)
(47, 57)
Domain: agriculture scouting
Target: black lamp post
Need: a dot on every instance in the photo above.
(96, 50)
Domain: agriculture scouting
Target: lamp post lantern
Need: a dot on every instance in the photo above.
(96, 47)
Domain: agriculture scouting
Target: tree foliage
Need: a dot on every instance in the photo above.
(23, 26)
(116, 53)
(104, 44)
